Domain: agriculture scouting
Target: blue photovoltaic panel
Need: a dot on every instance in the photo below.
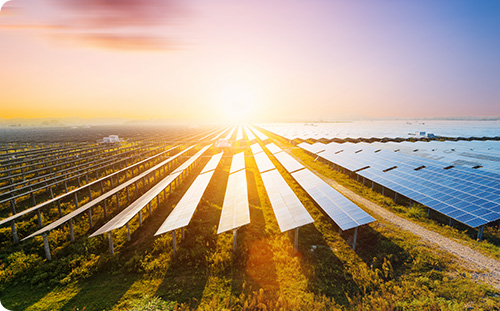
(288, 162)
(289, 211)
(133, 209)
(341, 210)
(184, 210)
(235, 209)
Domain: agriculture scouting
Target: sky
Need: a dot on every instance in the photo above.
(226, 60)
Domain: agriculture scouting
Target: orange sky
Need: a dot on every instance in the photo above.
(223, 60)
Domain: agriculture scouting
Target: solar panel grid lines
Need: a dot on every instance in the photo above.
(289, 211)
(263, 162)
(130, 211)
(288, 162)
(191, 160)
(72, 192)
(428, 195)
(104, 196)
(235, 209)
(341, 210)
(238, 163)
(185, 208)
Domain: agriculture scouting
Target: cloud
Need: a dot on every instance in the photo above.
(116, 24)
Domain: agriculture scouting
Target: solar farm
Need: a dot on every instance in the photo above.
(208, 212)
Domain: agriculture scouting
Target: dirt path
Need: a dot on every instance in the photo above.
(485, 269)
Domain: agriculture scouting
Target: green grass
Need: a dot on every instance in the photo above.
(390, 270)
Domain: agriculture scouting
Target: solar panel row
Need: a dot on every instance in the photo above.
(235, 209)
(466, 195)
(130, 211)
(104, 196)
(184, 210)
(289, 211)
(342, 211)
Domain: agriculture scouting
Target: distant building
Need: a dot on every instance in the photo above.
(222, 143)
(111, 139)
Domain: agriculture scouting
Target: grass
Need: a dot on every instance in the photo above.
(390, 270)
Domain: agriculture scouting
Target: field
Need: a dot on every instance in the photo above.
(391, 268)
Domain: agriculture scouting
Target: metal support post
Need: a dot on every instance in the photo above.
(140, 218)
(235, 238)
(15, 238)
(128, 196)
(183, 233)
(111, 247)
(174, 242)
(91, 223)
(128, 232)
(46, 246)
(150, 210)
(480, 233)
(39, 217)
(355, 238)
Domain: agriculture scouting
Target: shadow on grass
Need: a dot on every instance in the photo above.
(327, 274)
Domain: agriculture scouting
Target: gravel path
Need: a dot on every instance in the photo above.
(486, 269)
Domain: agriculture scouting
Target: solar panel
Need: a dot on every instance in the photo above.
(235, 209)
(249, 133)
(71, 192)
(212, 163)
(239, 134)
(184, 210)
(130, 211)
(289, 211)
(259, 134)
(341, 210)
(256, 148)
(191, 160)
(288, 162)
(230, 134)
(273, 148)
(238, 162)
(104, 196)
(263, 162)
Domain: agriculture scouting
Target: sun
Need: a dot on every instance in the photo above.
(237, 103)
